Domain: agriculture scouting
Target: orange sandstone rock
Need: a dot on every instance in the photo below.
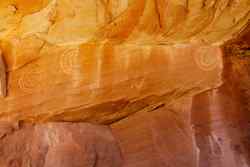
(99, 61)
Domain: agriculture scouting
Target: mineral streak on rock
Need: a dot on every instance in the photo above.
(133, 64)
(101, 83)
(3, 80)
(68, 59)
(27, 26)
(161, 138)
(237, 66)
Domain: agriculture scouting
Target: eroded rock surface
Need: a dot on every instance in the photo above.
(221, 126)
(137, 65)
(64, 22)
(99, 61)
(104, 83)
(160, 138)
(58, 145)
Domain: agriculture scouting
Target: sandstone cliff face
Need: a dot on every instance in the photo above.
(211, 129)
(169, 78)
(62, 145)
(107, 86)
(238, 66)
(103, 60)
(64, 22)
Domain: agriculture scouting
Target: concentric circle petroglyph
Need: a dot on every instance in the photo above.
(69, 61)
(207, 58)
(31, 79)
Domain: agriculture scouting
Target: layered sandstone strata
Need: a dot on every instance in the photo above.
(100, 61)
(104, 83)
(136, 65)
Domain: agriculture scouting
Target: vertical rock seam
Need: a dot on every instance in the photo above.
(3, 89)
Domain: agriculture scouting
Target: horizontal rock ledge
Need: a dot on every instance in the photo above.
(102, 83)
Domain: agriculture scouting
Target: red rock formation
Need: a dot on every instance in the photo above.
(68, 59)
(161, 138)
(149, 68)
(58, 145)
(125, 80)
(221, 126)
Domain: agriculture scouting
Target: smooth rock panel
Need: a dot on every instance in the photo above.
(104, 83)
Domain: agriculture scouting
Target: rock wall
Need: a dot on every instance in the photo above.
(162, 82)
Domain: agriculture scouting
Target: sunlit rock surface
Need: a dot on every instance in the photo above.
(104, 83)
(100, 61)
(211, 129)
(169, 78)
(65, 22)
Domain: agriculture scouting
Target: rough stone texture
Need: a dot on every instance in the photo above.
(72, 22)
(221, 126)
(99, 61)
(124, 80)
(138, 61)
(237, 63)
(209, 130)
(58, 145)
(161, 138)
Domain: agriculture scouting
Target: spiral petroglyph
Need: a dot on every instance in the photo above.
(69, 61)
(206, 58)
(31, 79)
